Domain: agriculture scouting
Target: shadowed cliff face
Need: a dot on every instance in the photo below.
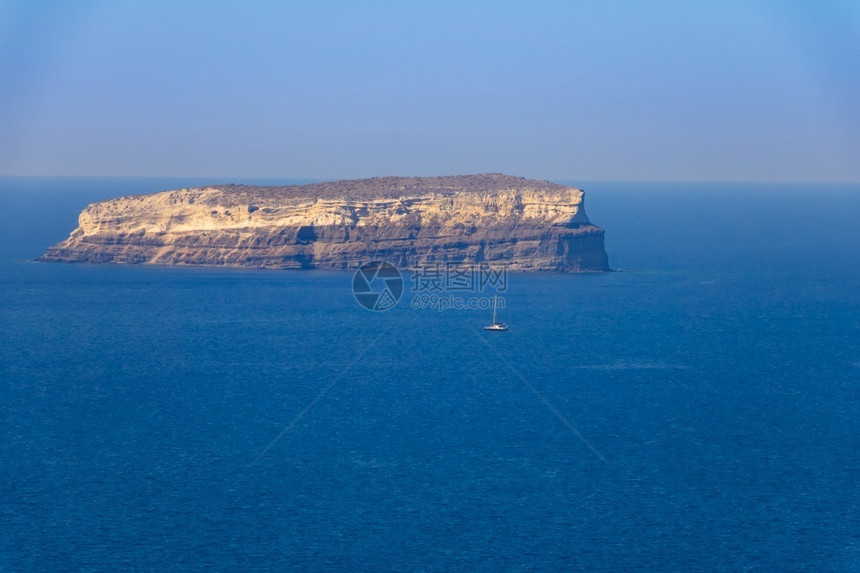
(528, 225)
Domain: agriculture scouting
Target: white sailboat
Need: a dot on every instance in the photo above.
(496, 326)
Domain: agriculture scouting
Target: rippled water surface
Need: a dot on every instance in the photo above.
(696, 411)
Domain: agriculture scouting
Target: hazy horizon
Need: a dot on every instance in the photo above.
(301, 180)
(712, 92)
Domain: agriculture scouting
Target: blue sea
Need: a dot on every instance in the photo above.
(699, 410)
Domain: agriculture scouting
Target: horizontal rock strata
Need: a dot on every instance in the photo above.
(408, 221)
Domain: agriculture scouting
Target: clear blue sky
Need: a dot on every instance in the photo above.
(677, 90)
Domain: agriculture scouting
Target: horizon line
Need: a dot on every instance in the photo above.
(554, 179)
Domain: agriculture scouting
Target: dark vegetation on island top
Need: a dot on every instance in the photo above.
(527, 225)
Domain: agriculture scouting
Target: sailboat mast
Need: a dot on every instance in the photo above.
(494, 308)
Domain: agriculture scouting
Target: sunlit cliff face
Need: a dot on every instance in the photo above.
(530, 225)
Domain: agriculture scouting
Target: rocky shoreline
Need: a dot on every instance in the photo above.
(524, 224)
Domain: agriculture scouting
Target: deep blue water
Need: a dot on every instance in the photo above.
(717, 375)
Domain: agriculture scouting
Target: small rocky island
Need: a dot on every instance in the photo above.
(526, 224)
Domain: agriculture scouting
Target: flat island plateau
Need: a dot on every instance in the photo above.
(525, 224)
